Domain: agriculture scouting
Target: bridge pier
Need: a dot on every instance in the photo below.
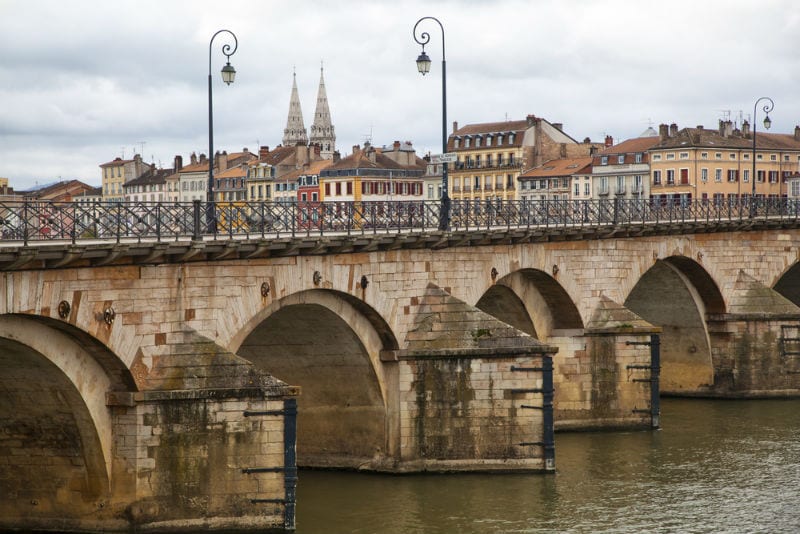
(755, 355)
(473, 393)
(604, 375)
(755, 347)
(207, 459)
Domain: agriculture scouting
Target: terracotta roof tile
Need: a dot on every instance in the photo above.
(559, 167)
(637, 144)
(492, 127)
(234, 172)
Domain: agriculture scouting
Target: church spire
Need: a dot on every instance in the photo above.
(295, 131)
(322, 132)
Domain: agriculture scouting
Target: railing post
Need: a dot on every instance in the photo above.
(119, 220)
(25, 223)
(197, 233)
(158, 221)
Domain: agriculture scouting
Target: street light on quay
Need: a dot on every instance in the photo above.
(768, 105)
(228, 74)
(424, 67)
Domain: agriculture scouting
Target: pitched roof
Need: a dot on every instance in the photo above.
(152, 176)
(637, 144)
(277, 155)
(115, 162)
(234, 172)
(360, 160)
(559, 167)
(195, 167)
(706, 138)
(491, 127)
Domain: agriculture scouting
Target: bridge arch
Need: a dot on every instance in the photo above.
(788, 283)
(329, 343)
(53, 389)
(677, 294)
(531, 301)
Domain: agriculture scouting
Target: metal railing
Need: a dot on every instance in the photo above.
(35, 221)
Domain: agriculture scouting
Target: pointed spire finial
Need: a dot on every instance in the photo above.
(322, 132)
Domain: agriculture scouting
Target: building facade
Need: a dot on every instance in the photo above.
(491, 156)
(553, 180)
(620, 171)
(698, 163)
(369, 174)
(114, 175)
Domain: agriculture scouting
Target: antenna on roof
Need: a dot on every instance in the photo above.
(726, 114)
(141, 144)
(122, 148)
(368, 137)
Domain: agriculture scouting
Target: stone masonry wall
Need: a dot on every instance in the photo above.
(189, 454)
(461, 414)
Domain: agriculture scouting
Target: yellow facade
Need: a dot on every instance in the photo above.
(484, 172)
(699, 163)
(707, 173)
(113, 178)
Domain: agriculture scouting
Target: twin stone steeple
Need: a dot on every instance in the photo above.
(322, 132)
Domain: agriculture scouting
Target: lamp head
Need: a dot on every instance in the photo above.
(423, 63)
(228, 73)
(767, 122)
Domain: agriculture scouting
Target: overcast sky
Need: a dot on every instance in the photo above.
(84, 82)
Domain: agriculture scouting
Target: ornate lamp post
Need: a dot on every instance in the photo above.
(228, 74)
(424, 66)
(767, 123)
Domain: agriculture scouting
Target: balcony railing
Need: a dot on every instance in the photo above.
(26, 222)
(471, 165)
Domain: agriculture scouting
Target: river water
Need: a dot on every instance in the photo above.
(715, 466)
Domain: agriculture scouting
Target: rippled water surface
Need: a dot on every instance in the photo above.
(716, 466)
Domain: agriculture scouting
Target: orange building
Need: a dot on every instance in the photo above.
(698, 163)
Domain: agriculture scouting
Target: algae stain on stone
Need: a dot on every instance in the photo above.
(443, 396)
(602, 356)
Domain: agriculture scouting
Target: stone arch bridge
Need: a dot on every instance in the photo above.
(156, 384)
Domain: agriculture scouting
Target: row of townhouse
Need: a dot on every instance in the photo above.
(675, 165)
(284, 174)
(492, 156)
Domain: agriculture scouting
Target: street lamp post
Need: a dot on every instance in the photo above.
(228, 74)
(424, 66)
(769, 104)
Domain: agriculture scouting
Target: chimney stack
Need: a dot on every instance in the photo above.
(663, 131)
(609, 141)
(263, 152)
(455, 126)
(673, 130)
(193, 159)
(797, 133)
(178, 163)
(559, 126)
